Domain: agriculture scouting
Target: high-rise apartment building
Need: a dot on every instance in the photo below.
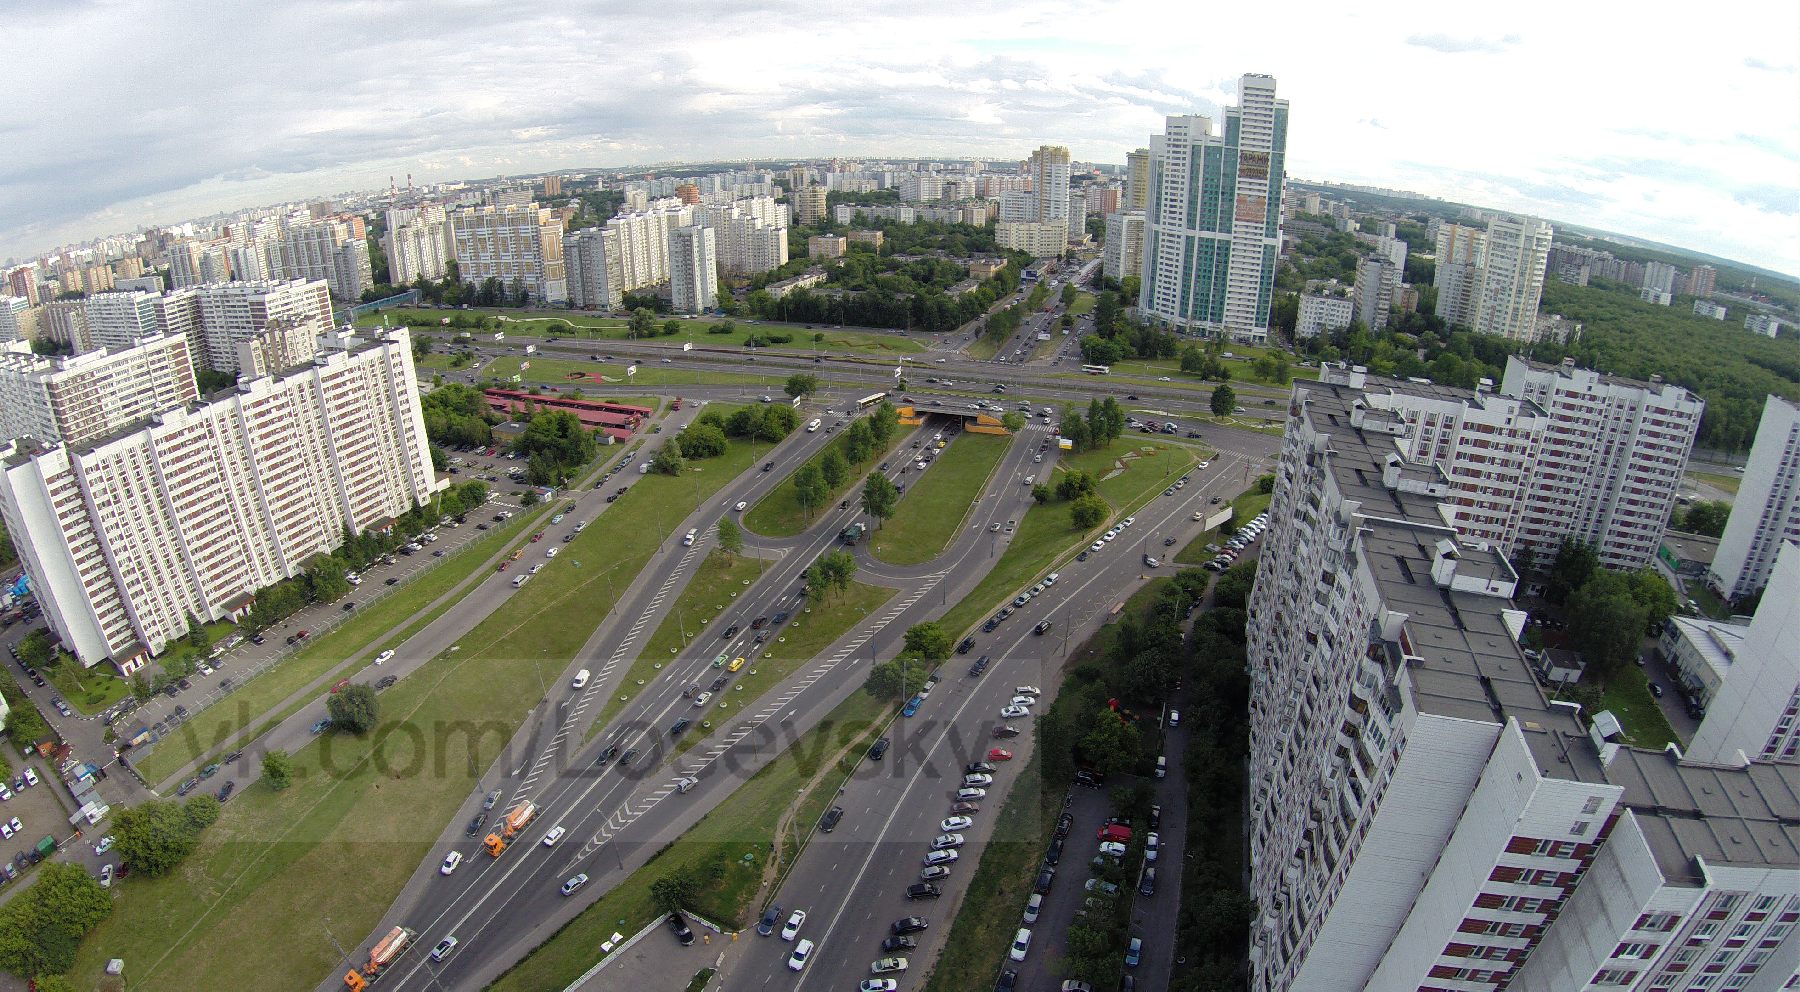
(827, 246)
(1048, 168)
(1661, 277)
(22, 281)
(420, 247)
(809, 205)
(593, 270)
(1458, 272)
(1035, 239)
(520, 245)
(1701, 280)
(693, 269)
(1766, 512)
(1766, 324)
(1123, 253)
(118, 320)
(1137, 180)
(1102, 201)
(1754, 713)
(126, 537)
(1512, 277)
(196, 263)
(1422, 817)
(226, 315)
(1213, 228)
(328, 250)
(1322, 313)
(1377, 289)
(65, 322)
(641, 241)
(18, 322)
(78, 399)
(752, 234)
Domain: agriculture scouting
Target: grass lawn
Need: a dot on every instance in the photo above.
(88, 690)
(1727, 482)
(932, 511)
(695, 330)
(1084, 303)
(1128, 467)
(223, 724)
(984, 926)
(364, 812)
(742, 824)
(1710, 605)
(1245, 505)
(983, 348)
(779, 514)
(1628, 696)
(442, 361)
(807, 634)
(570, 371)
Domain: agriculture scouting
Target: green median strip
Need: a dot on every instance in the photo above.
(935, 505)
(780, 513)
(582, 374)
(728, 850)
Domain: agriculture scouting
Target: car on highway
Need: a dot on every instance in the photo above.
(909, 924)
(878, 985)
(923, 890)
(730, 632)
(941, 857)
(979, 780)
(934, 872)
(451, 860)
(702, 699)
(321, 726)
(569, 887)
(443, 948)
(385, 681)
(1003, 732)
(898, 943)
(978, 768)
(802, 952)
(912, 706)
(1014, 712)
(879, 748)
(966, 808)
(795, 921)
(956, 823)
(475, 823)
(829, 821)
(553, 835)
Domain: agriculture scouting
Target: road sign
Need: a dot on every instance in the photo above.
(631, 371)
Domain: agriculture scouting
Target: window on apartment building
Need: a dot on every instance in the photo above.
(1635, 950)
(1614, 977)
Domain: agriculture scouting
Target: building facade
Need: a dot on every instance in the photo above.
(1766, 512)
(223, 316)
(809, 205)
(827, 246)
(1515, 253)
(421, 246)
(78, 399)
(1322, 314)
(1377, 289)
(1754, 713)
(520, 245)
(117, 320)
(1213, 228)
(1123, 254)
(592, 270)
(127, 537)
(693, 269)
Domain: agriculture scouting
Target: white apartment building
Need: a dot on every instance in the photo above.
(1377, 290)
(1766, 512)
(65, 322)
(125, 537)
(1754, 713)
(1421, 816)
(1038, 240)
(17, 322)
(1516, 252)
(420, 246)
(195, 263)
(1701, 651)
(593, 270)
(117, 320)
(1611, 461)
(809, 204)
(78, 399)
(1766, 324)
(752, 234)
(693, 269)
(641, 241)
(228, 314)
(1048, 168)
(519, 244)
(1661, 277)
(1460, 249)
(1123, 253)
(1078, 215)
(1707, 308)
(1322, 314)
(1213, 228)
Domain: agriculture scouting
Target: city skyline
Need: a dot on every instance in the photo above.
(417, 90)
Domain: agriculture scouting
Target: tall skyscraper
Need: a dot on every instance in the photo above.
(1213, 230)
(1123, 253)
(518, 245)
(127, 537)
(693, 269)
(593, 270)
(1422, 816)
(1049, 171)
(1490, 281)
(1766, 512)
(1137, 180)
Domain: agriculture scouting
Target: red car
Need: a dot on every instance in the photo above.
(999, 754)
(1115, 832)
(341, 686)
(537, 537)
(502, 566)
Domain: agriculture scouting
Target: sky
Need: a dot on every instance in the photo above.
(1676, 122)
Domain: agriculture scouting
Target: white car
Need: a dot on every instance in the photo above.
(970, 794)
(1128, 521)
(878, 985)
(1174, 718)
(451, 860)
(742, 505)
(105, 845)
(106, 876)
(1020, 945)
(1026, 701)
(553, 836)
(1014, 712)
(802, 951)
(1107, 537)
(1205, 464)
(794, 923)
(537, 568)
(1151, 843)
(956, 823)
(1113, 848)
(384, 656)
(1096, 546)
(569, 887)
(701, 699)
(940, 857)
(944, 842)
(6, 830)
(1028, 690)
(552, 553)
(979, 780)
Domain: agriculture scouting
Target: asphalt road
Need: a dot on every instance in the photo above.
(852, 882)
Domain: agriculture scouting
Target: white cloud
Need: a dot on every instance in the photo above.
(144, 112)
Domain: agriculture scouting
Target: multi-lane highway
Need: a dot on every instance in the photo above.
(852, 882)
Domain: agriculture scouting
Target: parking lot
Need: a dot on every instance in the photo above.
(37, 811)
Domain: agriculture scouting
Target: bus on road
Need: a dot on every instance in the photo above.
(1096, 369)
(870, 400)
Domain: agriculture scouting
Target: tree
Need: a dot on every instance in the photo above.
(801, 384)
(1075, 430)
(353, 709)
(809, 487)
(196, 634)
(325, 577)
(1074, 485)
(670, 328)
(879, 497)
(673, 891)
(1653, 592)
(1013, 421)
(703, 441)
(667, 459)
(1041, 493)
(859, 441)
(885, 420)
(1111, 744)
(278, 769)
(831, 572)
(42, 927)
(1087, 512)
(642, 324)
(834, 469)
(1224, 400)
(731, 537)
(886, 681)
(1606, 624)
(1575, 563)
(1706, 517)
(928, 641)
(154, 837)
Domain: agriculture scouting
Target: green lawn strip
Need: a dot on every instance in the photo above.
(1244, 506)
(991, 911)
(933, 509)
(1628, 696)
(1710, 604)
(574, 372)
(370, 823)
(442, 361)
(1728, 483)
(1084, 303)
(779, 514)
(718, 580)
(805, 635)
(88, 690)
(741, 824)
(213, 729)
(1045, 533)
(982, 348)
(697, 331)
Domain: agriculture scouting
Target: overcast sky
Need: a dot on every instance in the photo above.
(1678, 122)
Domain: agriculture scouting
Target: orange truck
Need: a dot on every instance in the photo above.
(384, 953)
(509, 827)
(676, 406)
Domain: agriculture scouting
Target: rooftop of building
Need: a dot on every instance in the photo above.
(1693, 813)
(1691, 547)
